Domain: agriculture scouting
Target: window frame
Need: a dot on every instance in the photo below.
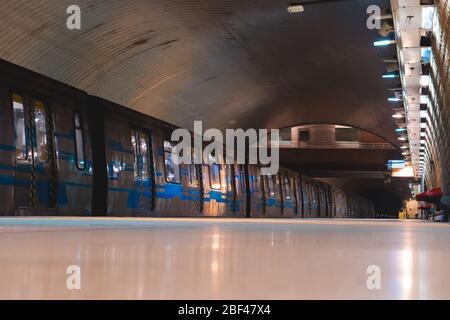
(210, 176)
(75, 128)
(25, 152)
(45, 133)
(287, 188)
(299, 135)
(165, 166)
(270, 186)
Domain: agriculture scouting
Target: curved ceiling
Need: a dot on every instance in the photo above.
(230, 63)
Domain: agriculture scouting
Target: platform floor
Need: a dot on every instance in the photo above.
(223, 258)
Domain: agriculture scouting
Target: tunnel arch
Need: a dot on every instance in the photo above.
(346, 125)
(218, 61)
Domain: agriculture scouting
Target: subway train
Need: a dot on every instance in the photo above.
(64, 152)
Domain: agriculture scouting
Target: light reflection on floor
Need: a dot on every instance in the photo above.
(222, 258)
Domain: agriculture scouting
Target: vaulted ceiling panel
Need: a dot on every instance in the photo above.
(246, 63)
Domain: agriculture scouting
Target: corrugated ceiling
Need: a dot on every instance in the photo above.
(230, 63)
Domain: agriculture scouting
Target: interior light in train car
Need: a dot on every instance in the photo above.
(402, 138)
(397, 116)
(394, 99)
(401, 129)
(404, 147)
(383, 43)
(215, 186)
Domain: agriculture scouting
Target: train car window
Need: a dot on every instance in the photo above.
(242, 178)
(346, 134)
(236, 178)
(278, 183)
(313, 191)
(79, 142)
(172, 169)
(303, 135)
(270, 186)
(231, 179)
(193, 177)
(135, 154)
(251, 180)
(19, 125)
(143, 147)
(40, 122)
(287, 188)
(294, 187)
(214, 176)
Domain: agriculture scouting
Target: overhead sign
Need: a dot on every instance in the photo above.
(406, 172)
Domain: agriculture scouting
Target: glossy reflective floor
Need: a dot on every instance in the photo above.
(223, 258)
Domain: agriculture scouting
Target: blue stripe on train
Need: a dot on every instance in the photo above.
(5, 147)
(117, 146)
(43, 188)
(67, 136)
(169, 191)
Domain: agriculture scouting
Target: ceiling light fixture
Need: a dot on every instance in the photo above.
(390, 76)
(383, 43)
(295, 8)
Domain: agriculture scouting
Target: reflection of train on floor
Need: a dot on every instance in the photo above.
(64, 152)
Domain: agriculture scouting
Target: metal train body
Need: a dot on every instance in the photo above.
(64, 152)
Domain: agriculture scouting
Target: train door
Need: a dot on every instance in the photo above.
(255, 196)
(295, 195)
(35, 175)
(244, 190)
(273, 201)
(232, 190)
(280, 197)
(144, 172)
(264, 193)
(288, 201)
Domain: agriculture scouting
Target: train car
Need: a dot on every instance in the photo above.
(220, 198)
(46, 163)
(273, 198)
(142, 178)
(64, 152)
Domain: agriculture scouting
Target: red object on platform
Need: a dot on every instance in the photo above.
(433, 193)
(437, 192)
